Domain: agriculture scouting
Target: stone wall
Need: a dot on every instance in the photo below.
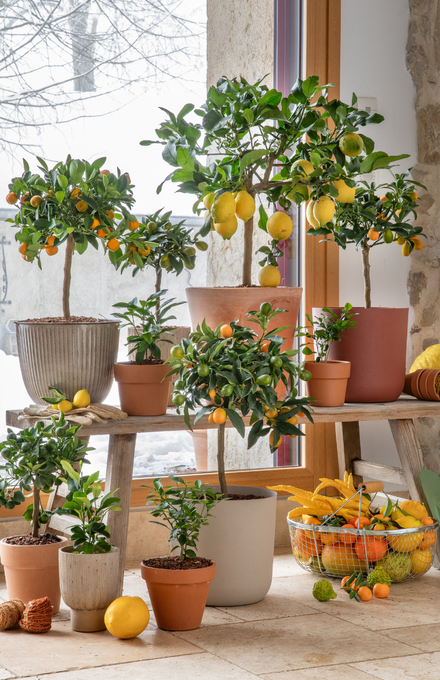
(423, 63)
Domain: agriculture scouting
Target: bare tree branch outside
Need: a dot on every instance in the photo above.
(58, 57)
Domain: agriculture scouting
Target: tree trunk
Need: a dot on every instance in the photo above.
(35, 512)
(70, 247)
(221, 459)
(366, 271)
(157, 289)
(247, 252)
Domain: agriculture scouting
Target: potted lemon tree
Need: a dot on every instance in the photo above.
(233, 372)
(78, 204)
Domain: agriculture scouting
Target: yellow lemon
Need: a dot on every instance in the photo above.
(404, 543)
(127, 617)
(226, 229)
(65, 406)
(310, 216)
(279, 225)
(223, 208)
(351, 144)
(81, 399)
(205, 217)
(208, 200)
(430, 358)
(245, 206)
(415, 508)
(421, 561)
(269, 277)
(324, 209)
(272, 443)
(346, 194)
(303, 167)
(407, 522)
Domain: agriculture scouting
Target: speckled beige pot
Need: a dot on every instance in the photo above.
(68, 356)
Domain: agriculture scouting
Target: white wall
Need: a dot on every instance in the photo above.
(373, 41)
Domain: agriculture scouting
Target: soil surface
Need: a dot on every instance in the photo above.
(151, 361)
(176, 564)
(70, 319)
(244, 497)
(44, 539)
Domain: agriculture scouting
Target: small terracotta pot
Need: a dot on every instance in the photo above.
(178, 597)
(143, 390)
(411, 385)
(328, 383)
(31, 571)
(426, 385)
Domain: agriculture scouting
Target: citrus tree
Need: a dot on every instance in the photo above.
(75, 202)
(232, 372)
(251, 141)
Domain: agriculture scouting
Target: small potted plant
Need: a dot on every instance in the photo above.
(89, 569)
(78, 204)
(231, 373)
(143, 383)
(178, 586)
(328, 379)
(33, 463)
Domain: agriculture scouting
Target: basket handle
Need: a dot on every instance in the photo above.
(371, 487)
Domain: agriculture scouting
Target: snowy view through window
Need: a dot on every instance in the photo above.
(107, 73)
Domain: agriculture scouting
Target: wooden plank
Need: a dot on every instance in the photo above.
(410, 455)
(383, 473)
(119, 476)
(348, 442)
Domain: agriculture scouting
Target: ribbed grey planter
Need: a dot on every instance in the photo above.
(68, 356)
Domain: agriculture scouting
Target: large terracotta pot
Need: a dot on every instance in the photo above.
(89, 584)
(376, 349)
(328, 383)
(223, 305)
(68, 356)
(240, 538)
(143, 389)
(178, 597)
(31, 571)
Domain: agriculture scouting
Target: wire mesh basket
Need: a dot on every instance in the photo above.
(338, 552)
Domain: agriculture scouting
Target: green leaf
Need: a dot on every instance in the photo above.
(252, 156)
(59, 195)
(236, 421)
(249, 115)
(213, 121)
(262, 222)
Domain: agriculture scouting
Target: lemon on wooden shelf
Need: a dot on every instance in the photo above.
(126, 617)
(81, 399)
(430, 358)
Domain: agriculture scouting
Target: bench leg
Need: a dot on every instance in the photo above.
(410, 454)
(348, 442)
(119, 476)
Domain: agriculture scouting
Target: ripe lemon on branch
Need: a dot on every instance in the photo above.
(279, 225)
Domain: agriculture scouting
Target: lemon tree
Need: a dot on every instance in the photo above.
(77, 203)
(240, 371)
(248, 137)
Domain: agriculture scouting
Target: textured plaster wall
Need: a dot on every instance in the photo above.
(239, 43)
(423, 62)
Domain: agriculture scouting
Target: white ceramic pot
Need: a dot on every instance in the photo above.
(240, 538)
(89, 584)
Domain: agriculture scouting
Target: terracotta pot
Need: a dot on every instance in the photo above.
(376, 349)
(89, 584)
(31, 571)
(223, 305)
(178, 597)
(426, 385)
(143, 390)
(411, 385)
(328, 383)
(240, 538)
(68, 356)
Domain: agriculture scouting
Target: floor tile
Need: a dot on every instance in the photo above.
(63, 649)
(285, 564)
(284, 644)
(202, 667)
(5, 674)
(420, 667)
(426, 638)
(322, 673)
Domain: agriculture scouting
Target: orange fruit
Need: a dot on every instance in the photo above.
(24, 199)
(428, 540)
(211, 393)
(128, 177)
(331, 538)
(81, 206)
(95, 224)
(22, 249)
(113, 245)
(361, 522)
(226, 331)
(381, 590)
(104, 172)
(365, 593)
(371, 548)
(211, 418)
(265, 346)
(421, 561)
(51, 240)
(110, 214)
(308, 546)
(145, 251)
(373, 235)
(75, 192)
(132, 225)
(271, 439)
(400, 240)
(219, 416)
(347, 538)
(418, 245)
(36, 201)
(338, 559)
(101, 233)
(427, 521)
(50, 250)
(11, 198)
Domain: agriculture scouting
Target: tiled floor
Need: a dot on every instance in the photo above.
(287, 636)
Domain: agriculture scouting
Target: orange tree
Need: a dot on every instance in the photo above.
(251, 141)
(76, 203)
(231, 372)
(156, 242)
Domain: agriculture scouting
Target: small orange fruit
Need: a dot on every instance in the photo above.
(95, 224)
(132, 225)
(226, 331)
(101, 233)
(51, 240)
(36, 201)
(105, 172)
(418, 245)
(22, 249)
(365, 593)
(75, 192)
(11, 198)
(24, 199)
(81, 206)
(400, 240)
(110, 214)
(405, 250)
(211, 418)
(265, 346)
(50, 250)
(427, 521)
(361, 522)
(219, 416)
(271, 439)
(146, 251)
(113, 245)
(211, 393)
(428, 540)
(381, 590)
(373, 235)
